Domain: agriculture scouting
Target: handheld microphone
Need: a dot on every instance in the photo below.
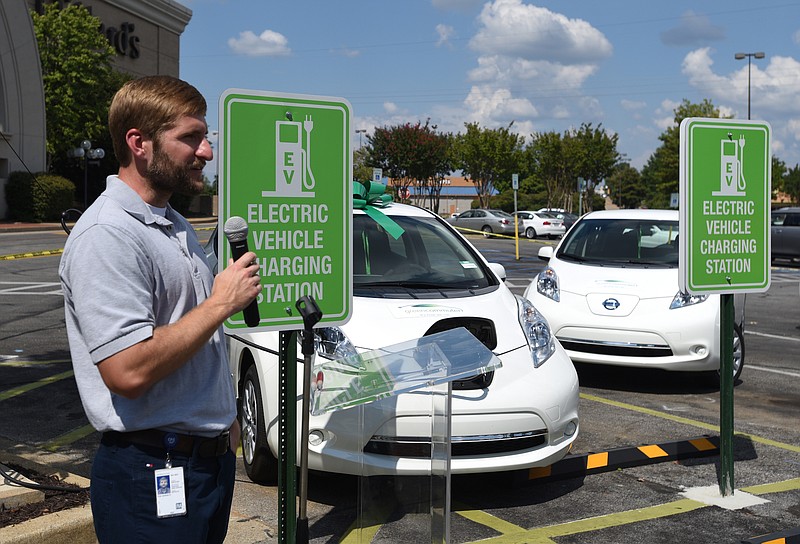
(235, 230)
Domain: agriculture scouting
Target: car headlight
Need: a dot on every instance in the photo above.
(537, 332)
(331, 343)
(547, 284)
(685, 299)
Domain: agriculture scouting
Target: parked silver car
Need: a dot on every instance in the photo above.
(486, 220)
(786, 234)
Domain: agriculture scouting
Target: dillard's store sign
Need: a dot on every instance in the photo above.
(122, 39)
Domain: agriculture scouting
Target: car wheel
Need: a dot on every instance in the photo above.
(259, 463)
(738, 351)
(738, 358)
(487, 231)
(530, 233)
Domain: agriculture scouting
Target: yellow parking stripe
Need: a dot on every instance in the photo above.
(687, 421)
(775, 487)
(488, 520)
(34, 385)
(544, 535)
(18, 362)
(68, 438)
(45, 253)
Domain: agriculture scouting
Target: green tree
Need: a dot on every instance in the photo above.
(778, 172)
(595, 155)
(625, 186)
(548, 158)
(361, 168)
(78, 79)
(489, 157)
(791, 184)
(660, 173)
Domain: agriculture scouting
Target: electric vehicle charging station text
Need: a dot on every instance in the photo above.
(285, 167)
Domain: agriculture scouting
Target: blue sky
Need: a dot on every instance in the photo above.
(547, 66)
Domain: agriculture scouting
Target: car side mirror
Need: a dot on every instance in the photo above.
(545, 253)
(499, 270)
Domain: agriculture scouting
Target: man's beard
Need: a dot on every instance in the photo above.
(166, 175)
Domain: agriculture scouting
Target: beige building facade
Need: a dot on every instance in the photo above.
(145, 35)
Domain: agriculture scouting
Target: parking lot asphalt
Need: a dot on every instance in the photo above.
(664, 490)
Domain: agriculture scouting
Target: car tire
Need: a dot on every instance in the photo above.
(530, 233)
(487, 231)
(259, 463)
(738, 358)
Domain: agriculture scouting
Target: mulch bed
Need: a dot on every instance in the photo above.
(54, 501)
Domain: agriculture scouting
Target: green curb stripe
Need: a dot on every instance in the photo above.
(34, 385)
(687, 421)
(45, 253)
(595, 463)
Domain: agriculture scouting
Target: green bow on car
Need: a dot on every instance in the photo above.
(369, 196)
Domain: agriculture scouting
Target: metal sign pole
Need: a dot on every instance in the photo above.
(287, 437)
(311, 315)
(726, 395)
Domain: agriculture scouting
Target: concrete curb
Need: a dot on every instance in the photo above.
(71, 526)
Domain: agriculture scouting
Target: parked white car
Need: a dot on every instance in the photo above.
(534, 224)
(429, 280)
(610, 293)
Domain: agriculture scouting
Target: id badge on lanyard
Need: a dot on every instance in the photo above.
(169, 484)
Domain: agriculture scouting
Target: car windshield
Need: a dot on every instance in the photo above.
(622, 242)
(426, 257)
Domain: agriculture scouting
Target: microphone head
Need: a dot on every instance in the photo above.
(235, 229)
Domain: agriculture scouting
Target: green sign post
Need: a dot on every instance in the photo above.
(285, 167)
(725, 195)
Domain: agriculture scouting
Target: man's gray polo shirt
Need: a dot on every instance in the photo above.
(125, 271)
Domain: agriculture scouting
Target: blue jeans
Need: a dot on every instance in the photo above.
(124, 499)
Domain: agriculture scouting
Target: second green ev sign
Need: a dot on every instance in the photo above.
(285, 168)
(725, 197)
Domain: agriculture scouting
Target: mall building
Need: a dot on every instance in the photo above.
(145, 35)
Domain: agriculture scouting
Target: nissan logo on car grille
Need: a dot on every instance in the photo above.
(610, 304)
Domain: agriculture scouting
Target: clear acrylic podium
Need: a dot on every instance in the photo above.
(423, 371)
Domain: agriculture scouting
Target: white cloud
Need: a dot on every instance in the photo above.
(390, 107)
(511, 28)
(632, 105)
(693, 30)
(445, 32)
(490, 106)
(528, 54)
(267, 44)
(773, 89)
(796, 37)
(458, 5)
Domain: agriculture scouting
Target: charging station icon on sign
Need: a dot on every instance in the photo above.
(293, 174)
(731, 172)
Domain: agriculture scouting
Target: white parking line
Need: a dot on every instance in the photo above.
(774, 371)
(776, 336)
(30, 288)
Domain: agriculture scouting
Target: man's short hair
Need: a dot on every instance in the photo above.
(152, 104)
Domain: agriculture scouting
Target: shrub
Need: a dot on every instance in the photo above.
(40, 198)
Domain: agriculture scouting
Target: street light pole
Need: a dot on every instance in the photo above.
(86, 152)
(750, 56)
(360, 131)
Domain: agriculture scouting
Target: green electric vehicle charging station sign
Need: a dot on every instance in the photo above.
(285, 167)
(725, 195)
